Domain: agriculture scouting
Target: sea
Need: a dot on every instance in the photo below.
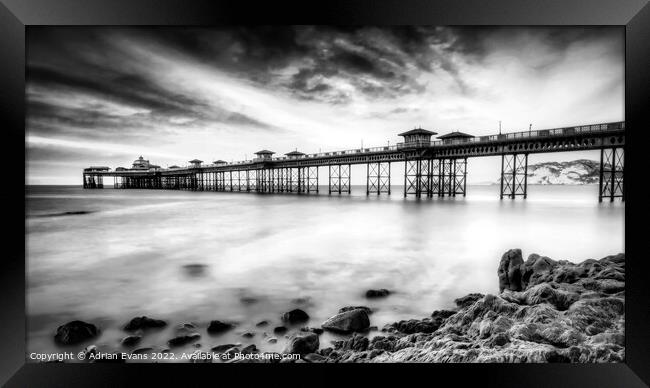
(107, 255)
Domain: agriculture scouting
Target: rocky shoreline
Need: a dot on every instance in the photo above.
(546, 311)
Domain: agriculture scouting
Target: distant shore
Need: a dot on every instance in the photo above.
(546, 311)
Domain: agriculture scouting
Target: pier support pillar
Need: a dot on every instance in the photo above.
(339, 178)
(611, 183)
(378, 178)
(412, 177)
(514, 175)
(312, 179)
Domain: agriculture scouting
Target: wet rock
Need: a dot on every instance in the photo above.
(183, 339)
(349, 321)
(315, 330)
(75, 332)
(280, 330)
(368, 310)
(144, 322)
(468, 300)
(295, 316)
(272, 340)
(248, 334)
(262, 323)
(414, 326)
(195, 270)
(250, 349)
(223, 348)
(377, 293)
(302, 343)
(509, 271)
(216, 327)
(314, 357)
(439, 316)
(357, 343)
(131, 340)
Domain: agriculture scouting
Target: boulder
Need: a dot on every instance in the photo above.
(216, 327)
(509, 271)
(302, 343)
(377, 293)
(144, 322)
(75, 332)
(131, 340)
(368, 310)
(295, 316)
(280, 330)
(183, 339)
(349, 321)
(262, 323)
(468, 300)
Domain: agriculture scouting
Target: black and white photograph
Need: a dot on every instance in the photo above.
(325, 194)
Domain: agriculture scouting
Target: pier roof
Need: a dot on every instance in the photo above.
(219, 161)
(174, 166)
(264, 152)
(454, 135)
(294, 153)
(417, 131)
(196, 161)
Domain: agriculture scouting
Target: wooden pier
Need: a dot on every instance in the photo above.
(431, 167)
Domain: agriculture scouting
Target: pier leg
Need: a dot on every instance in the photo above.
(612, 164)
(514, 171)
(412, 177)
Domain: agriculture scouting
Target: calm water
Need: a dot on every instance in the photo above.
(266, 254)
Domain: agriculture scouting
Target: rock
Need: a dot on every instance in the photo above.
(357, 343)
(75, 332)
(302, 343)
(183, 339)
(250, 349)
(216, 327)
(368, 310)
(509, 271)
(314, 357)
(439, 316)
(131, 340)
(295, 316)
(280, 330)
(222, 348)
(414, 326)
(140, 323)
(248, 300)
(316, 330)
(262, 323)
(377, 293)
(349, 321)
(272, 340)
(195, 270)
(468, 300)
(248, 334)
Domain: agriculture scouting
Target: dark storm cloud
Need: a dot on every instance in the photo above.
(82, 62)
(375, 62)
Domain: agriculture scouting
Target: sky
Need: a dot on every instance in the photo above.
(106, 95)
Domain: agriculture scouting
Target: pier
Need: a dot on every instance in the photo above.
(431, 167)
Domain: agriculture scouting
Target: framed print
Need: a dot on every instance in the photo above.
(279, 192)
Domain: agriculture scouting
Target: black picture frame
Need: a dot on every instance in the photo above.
(15, 15)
